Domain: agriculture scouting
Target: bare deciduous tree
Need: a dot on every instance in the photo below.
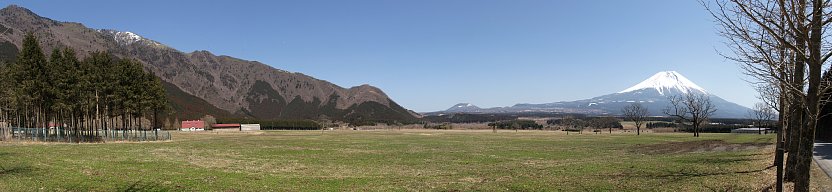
(603, 122)
(636, 113)
(762, 114)
(782, 42)
(209, 121)
(690, 107)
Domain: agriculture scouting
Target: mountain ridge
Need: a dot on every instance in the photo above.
(652, 92)
(224, 82)
(463, 107)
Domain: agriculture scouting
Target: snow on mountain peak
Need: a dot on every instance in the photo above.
(123, 37)
(463, 107)
(666, 81)
(127, 38)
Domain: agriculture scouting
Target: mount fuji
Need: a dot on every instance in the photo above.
(652, 93)
(667, 83)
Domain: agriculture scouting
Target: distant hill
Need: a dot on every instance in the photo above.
(652, 92)
(201, 83)
(464, 107)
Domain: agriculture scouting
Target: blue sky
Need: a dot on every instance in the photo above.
(428, 55)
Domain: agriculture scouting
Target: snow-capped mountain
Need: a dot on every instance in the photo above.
(652, 93)
(667, 82)
(464, 107)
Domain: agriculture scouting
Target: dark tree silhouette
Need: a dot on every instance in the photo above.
(691, 108)
(636, 113)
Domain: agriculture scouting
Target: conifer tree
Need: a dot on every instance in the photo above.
(79, 97)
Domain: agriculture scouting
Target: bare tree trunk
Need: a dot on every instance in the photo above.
(807, 137)
(795, 118)
(779, 151)
(97, 114)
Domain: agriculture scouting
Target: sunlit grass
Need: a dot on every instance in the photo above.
(393, 160)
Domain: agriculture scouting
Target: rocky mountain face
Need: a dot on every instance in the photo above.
(201, 83)
(652, 93)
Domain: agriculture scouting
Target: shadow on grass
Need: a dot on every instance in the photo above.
(143, 186)
(696, 147)
(683, 175)
(691, 174)
(718, 161)
(769, 153)
(769, 187)
(8, 170)
(15, 170)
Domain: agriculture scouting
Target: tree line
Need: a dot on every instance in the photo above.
(276, 124)
(98, 92)
(651, 125)
(573, 123)
(515, 124)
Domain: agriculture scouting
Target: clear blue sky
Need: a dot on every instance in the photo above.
(431, 54)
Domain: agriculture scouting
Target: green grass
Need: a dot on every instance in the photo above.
(389, 160)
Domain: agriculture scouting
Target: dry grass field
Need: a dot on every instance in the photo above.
(409, 160)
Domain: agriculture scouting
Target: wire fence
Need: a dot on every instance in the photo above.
(80, 136)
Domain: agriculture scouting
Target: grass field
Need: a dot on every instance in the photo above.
(395, 160)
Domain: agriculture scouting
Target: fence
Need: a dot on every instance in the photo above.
(80, 136)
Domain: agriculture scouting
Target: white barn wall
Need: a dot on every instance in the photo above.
(249, 127)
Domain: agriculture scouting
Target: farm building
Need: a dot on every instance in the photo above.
(195, 125)
(750, 130)
(249, 127)
(225, 127)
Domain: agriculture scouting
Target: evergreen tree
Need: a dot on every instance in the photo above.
(157, 99)
(30, 77)
(85, 97)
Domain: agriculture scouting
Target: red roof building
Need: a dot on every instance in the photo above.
(196, 124)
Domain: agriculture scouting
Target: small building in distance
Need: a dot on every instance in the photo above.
(249, 127)
(750, 130)
(225, 127)
(195, 125)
